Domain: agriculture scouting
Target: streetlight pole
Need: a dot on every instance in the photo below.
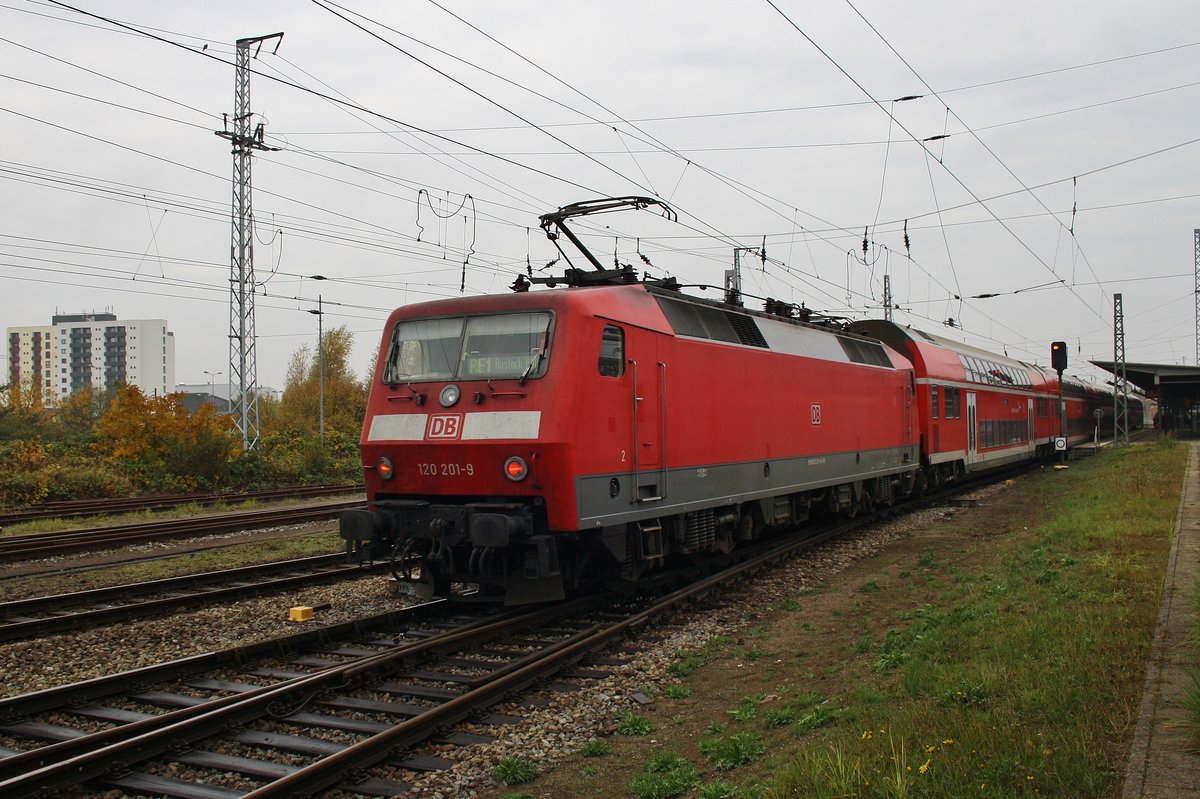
(212, 390)
(320, 368)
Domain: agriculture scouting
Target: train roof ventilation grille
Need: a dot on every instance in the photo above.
(746, 329)
(701, 321)
(867, 352)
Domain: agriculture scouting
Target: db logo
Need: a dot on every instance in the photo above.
(444, 425)
(816, 413)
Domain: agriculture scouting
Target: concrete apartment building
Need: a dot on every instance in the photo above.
(79, 350)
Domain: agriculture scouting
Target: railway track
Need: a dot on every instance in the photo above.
(77, 508)
(335, 707)
(34, 545)
(29, 618)
(339, 706)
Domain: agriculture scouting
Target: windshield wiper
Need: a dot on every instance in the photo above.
(533, 364)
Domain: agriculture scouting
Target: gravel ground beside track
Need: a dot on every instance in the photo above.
(71, 657)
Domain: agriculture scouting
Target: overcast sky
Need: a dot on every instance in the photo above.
(417, 136)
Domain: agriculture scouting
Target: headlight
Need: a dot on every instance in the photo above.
(449, 395)
(384, 468)
(515, 469)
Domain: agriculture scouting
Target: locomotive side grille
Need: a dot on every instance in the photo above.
(884, 492)
(700, 530)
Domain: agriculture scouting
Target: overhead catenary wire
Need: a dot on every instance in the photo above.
(1024, 245)
(797, 231)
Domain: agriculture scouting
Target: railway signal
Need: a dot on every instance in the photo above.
(1058, 360)
(1058, 356)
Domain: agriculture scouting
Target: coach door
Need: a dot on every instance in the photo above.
(972, 430)
(647, 379)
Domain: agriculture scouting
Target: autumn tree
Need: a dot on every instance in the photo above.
(162, 444)
(20, 411)
(345, 396)
(73, 421)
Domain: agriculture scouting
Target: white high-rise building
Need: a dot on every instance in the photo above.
(30, 354)
(97, 350)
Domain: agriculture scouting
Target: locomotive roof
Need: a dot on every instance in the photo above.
(670, 312)
(621, 295)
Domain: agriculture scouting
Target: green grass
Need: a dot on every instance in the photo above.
(595, 748)
(719, 790)
(667, 774)
(729, 752)
(631, 723)
(688, 660)
(678, 691)
(514, 771)
(1018, 678)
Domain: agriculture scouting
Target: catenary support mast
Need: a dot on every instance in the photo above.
(243, 369)
(1120, 386)
(1196, 294)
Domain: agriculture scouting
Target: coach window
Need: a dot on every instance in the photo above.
(933, 400)
(612, 352)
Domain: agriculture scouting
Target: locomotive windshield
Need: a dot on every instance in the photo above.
(469, 348)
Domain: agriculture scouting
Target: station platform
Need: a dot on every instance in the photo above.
(1163, 762)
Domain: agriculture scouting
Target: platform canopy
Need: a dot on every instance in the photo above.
(1175, 386)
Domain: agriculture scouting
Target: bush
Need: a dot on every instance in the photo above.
(86, 481)
(21, 488)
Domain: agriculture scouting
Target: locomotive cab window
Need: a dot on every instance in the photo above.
(423, 349)
(512, 345)
(612, 352)
(470, 348)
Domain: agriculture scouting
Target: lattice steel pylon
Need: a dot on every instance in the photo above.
(243, 368)
(1196, 294)
(1120, 386)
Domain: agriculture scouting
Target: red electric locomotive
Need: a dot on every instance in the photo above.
(538, 441)
(543, 441)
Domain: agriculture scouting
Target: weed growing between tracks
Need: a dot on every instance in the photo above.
(997, 653)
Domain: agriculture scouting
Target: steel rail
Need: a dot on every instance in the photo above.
(41, 544)
(73, 508)
(116, 603)
(92, 756)
(65, 696)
